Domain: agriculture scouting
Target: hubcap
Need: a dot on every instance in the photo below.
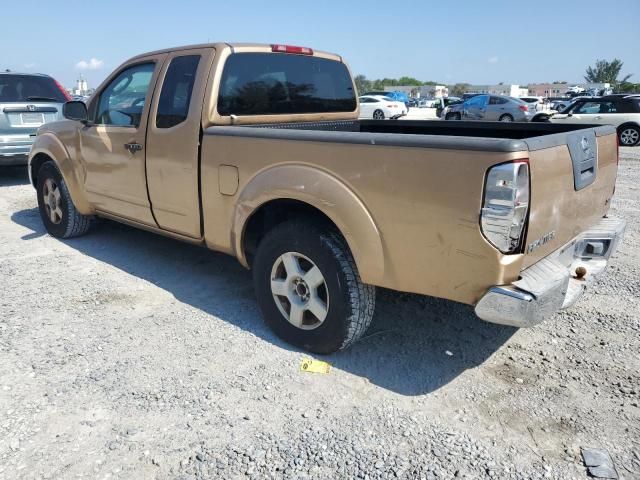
(299, 290)
(505, 119)
(51, 199)
(629, 136)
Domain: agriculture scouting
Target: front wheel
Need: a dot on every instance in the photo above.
(453, 116)
(308, 288)
(378, 115)
(58, 213)
(629, 136)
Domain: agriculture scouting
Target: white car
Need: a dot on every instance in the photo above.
(379, 107)
(621, 111)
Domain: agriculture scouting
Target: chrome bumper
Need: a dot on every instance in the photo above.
(555, 282)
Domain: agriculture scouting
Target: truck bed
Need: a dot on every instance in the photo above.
(458, 135)
(421, 184)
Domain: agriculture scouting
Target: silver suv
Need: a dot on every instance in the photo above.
(26, 102)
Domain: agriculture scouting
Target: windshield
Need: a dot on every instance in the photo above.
(28, 88)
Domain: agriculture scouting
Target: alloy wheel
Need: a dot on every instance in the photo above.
(51, 198)
(299, 290)
(629, 136)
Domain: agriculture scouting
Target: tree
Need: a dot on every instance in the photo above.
(560, 82)
(458, 89)
(628, 87)
(414, 82)
(363, 85)
(606, 72)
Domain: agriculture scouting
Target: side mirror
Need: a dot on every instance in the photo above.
(75, 111)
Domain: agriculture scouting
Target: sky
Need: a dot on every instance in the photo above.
(478, 42)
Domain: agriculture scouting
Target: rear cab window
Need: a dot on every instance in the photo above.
(273, 84)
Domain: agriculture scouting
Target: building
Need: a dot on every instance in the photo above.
(548, 89)
(500, 89)
(81, 89)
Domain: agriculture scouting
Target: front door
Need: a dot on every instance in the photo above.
(113, 144)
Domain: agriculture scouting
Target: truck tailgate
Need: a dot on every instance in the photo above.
(572, 182)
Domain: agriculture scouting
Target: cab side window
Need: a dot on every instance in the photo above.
(121, 103)
(173, 106)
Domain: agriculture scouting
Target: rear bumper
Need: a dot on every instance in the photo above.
(14, 149)
(553, 283)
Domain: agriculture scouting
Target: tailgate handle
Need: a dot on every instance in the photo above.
(583, 149)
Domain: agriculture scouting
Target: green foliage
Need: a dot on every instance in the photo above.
(458, 89)
(628, 87)
(606, 72)
(363, 84)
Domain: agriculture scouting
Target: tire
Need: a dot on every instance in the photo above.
(281, 276)
(453, 116)
(541, 119)
(58, 213)
(378, 115)
(505, 118)
(629, 136)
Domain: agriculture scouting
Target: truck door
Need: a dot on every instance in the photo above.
(173, 140)
(113, 144)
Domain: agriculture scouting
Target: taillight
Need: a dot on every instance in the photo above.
(64, 92)
(524, 108)
(291, 49)
(505, 205)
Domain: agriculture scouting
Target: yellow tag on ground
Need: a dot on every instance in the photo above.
(314, 366)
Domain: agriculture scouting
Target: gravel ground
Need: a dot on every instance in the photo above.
(128, 355)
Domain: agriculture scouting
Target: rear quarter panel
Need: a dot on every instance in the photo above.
(425, 203)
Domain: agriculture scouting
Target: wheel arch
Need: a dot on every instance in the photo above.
(48, 147)
(624, 125)
(284, 192)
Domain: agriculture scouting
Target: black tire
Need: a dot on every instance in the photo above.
(350, 303)
(453, 116)
(505, 118)
(70, 223)
(629, 136)
(378, 115)
(541, 119)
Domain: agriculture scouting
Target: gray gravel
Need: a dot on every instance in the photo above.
(128, 355)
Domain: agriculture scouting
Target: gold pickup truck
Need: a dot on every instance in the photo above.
(256, 151)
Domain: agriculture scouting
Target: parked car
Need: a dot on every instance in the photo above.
(490, 108)
(535, 103)
(26, 102)
(623, 112)
(396, 95)
(264, 159)
(379, 108)
(442, 105)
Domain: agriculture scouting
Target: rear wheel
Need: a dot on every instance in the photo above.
(58, 213)
(308, 288)
(378, 115)
(506, 118)
(629, 136)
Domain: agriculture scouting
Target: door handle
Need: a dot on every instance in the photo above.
(133, 147)
(597, 118)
